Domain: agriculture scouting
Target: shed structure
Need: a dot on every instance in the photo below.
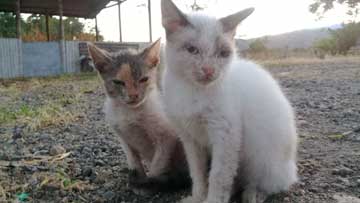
(70, 8)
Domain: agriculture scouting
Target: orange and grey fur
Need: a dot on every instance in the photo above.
(133, 109)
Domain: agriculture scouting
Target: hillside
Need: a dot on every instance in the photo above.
(292, 40)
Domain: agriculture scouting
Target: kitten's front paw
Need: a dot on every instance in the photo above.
(142, 191)
(191, 199)
(135, 178)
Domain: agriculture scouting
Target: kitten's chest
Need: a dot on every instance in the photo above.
(190, 115)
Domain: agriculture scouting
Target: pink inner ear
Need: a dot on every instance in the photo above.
(153, 61)
(175, 25)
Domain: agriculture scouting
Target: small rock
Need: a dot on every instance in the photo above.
(324, 185)
(109, 195)
(45, 137)
(303, 123)
(17, 133)
(99, 162)
(41, 152)
(77, 170)
(87, 171)
(87, 151)
(56, 149)
(339, 186)
(343, 181)
(300, 192)
(343, 171)
(314, 190)
(99, 200)
(102, 176)
(93, 176)
(322, 106)
(346, 199)
(65, 199)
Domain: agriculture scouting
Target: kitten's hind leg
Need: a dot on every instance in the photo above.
(249, 195)
(167, 182)
(252, 195)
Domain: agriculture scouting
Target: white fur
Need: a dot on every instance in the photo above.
(242, 119)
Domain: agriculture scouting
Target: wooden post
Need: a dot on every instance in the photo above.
(47, 27)
(96, 30)
(149, 13)
(18, 20)
(18, 36)
(62, 40)
(120, 31)
(61, 19)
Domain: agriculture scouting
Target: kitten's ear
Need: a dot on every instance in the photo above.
(172, 18)
(230, 22)
(151, 54)
(100, 57)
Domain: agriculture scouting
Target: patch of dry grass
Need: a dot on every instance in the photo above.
(309, 61)
(57, 173)
(42, 102)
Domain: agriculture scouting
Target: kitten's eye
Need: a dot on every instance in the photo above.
(118, 82)
(224, 53)
(144, 79)
(192, 49)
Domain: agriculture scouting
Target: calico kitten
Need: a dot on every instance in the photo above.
(133, 108)
(226, 108)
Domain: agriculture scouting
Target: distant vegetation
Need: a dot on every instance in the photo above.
(258, 45)
(34, 28)
(340, 40)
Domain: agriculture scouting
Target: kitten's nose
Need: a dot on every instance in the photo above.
(208, 70)
(134, 97)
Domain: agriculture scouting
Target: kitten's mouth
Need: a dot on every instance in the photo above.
(135, 103)
(206, 79)
(132, 102)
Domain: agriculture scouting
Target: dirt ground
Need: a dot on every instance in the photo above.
(56, 147)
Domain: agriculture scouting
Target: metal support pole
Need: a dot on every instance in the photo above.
(18, 20)
(62, 40)
(47, 27)
(120, 31)
(149, 13)
(96, 30)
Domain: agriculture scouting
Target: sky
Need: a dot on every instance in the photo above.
(270, 17)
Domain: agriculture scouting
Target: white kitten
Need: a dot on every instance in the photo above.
(226, 108)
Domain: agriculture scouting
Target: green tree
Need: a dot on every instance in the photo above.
(325, 46)
(8, 25)
(258, 45)
(346, 37)
(34, 28)
(340, 40)
(322, 6)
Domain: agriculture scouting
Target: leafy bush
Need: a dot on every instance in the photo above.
(340, 40)
(258, 45)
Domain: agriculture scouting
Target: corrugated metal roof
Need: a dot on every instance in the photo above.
(71, 8)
